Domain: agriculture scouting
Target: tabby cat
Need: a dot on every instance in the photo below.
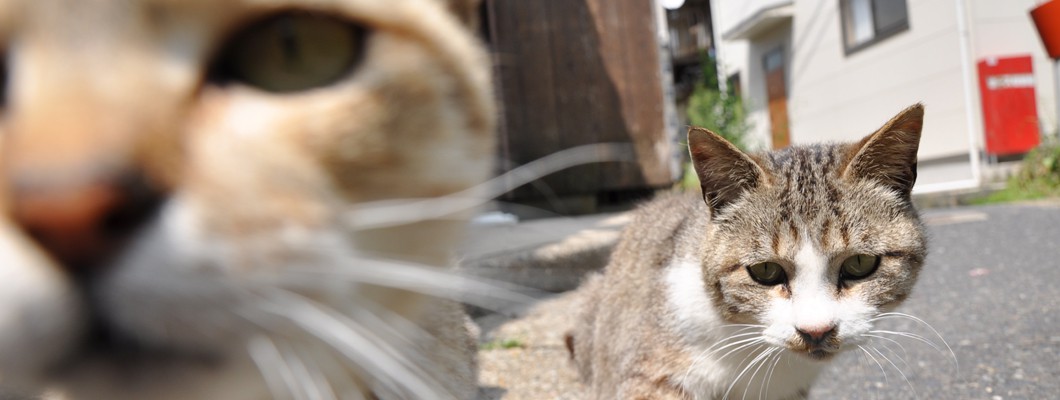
(747, 291)
(199, 196)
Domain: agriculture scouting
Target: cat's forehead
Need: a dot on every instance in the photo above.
(818, 160)
(807, 200)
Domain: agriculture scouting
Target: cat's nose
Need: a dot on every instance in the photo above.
(81, 223)
(816, 334)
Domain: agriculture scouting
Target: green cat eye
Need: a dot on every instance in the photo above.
(767, 273)
(291, 52)
(859, 266)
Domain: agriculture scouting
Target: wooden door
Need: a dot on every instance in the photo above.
(777, 95)
(574, 72)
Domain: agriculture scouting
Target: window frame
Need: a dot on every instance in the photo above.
(877, 34)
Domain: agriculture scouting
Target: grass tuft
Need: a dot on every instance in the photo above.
(1038, 178)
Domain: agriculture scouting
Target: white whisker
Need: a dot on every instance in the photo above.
(757, 359)
(899, 371)
(763, 390)
(309, 378)
(489, 294)
(274, 369)
(751, 379)
(376, 355)
(906, 353)
(725, 342)
(953, 355)
(901, 357)
(911, 336)
(883, 371)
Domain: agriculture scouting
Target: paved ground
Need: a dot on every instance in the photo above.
(991, 288)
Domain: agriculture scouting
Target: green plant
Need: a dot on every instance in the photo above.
(720, 111)
(1039, 176)
(506, 344)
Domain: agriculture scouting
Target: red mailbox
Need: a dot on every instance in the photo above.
(1010, 112)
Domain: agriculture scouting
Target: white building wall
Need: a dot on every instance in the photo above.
(745, 57)
(840, 97)
(833, 96)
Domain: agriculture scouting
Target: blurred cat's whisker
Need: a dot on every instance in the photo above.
(313, 386)
(370, 349)
(389, 213)
(274, 369)
(482, 292)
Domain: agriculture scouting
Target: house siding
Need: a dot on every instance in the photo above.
(835, 96)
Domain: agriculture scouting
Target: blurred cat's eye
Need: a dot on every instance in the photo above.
(859, 266)
(3, 80)
(767, 273)
(291, 52)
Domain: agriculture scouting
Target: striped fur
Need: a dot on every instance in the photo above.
(650, 328)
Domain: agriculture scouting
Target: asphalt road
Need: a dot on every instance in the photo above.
(991, 288)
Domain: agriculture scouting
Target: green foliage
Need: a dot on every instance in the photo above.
(506, 344)
(721, 112)
(1038, 178)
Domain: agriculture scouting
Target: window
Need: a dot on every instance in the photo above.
(866, 22)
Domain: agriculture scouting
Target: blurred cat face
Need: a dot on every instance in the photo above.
(161, 158)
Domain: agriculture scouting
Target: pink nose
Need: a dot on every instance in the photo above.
(816, 333)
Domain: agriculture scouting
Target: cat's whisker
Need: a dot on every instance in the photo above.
(706, 354)
(904, 352)
(725, 342)
(368, 348)
(482, 292)
(910, 336)
(754, 373)
(742, 343)
(742, 332)
(761, 356)
(915, 394)
(388, 213)
(953, 355)
(274, 369)
(314, 386)
(882, 370)
(763, 392)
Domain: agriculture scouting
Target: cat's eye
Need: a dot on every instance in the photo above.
(767, 273)
(859, 266)
(291, 52)
(3, 79)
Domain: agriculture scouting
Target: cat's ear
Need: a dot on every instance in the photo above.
(888, 156)
(724, 171)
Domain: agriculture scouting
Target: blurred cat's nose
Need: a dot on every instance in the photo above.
(81, 224)
(816, 334)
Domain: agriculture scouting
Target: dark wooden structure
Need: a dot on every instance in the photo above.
(574, 72)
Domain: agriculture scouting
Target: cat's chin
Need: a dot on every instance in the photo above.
(817, 354)
(155, 374)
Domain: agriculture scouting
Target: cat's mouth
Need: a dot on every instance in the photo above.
(818, 354)
(103, 345)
